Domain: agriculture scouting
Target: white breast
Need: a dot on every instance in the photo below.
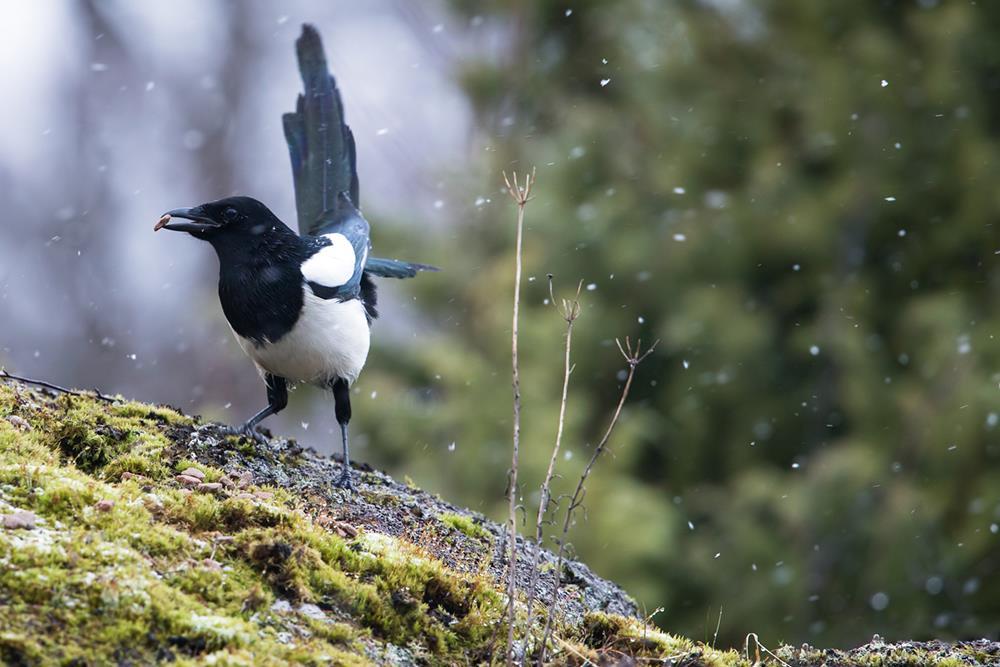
(329, 340)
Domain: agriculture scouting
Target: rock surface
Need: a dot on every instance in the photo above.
(133, 534)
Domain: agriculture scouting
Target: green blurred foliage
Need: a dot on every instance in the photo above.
(801, 200)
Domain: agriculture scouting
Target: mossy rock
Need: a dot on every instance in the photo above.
(125, 562)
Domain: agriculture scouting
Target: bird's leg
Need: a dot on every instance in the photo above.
(342, 400)
(277, 399)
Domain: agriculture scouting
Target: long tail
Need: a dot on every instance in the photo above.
(324, 159)
(394, 268)
(321, 146)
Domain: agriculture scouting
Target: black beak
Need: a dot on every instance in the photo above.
(199, 221)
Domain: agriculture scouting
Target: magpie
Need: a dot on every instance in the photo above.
(301, 305)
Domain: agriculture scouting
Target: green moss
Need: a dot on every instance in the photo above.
(631, 637)
(211, 474)
(101, 437)
(465, 525)
(207, 512)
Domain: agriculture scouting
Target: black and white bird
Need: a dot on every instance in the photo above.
(301, 306)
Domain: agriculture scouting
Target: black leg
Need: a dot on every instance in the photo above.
(277, 399)
(342, 400)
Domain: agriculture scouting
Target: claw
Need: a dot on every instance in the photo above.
(345, 481)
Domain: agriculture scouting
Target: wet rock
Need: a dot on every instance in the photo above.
(19, 520)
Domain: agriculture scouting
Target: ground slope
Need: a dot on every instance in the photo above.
(132, 534)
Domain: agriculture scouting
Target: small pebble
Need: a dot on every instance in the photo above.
(194, 472)
(20, 423)
(104, 505)
(345, 529)
(209, 486)
(188, 480)
(263, 495)
(20, 520)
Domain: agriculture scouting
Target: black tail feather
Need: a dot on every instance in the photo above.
(320, 144)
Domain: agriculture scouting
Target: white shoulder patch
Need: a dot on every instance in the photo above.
(333, 265)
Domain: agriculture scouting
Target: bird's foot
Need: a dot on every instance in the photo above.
(345, 481)
(249, 432)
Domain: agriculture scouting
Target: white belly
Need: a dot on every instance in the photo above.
(330, 340)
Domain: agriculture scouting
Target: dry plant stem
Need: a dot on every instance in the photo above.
(4, 375)
(633, 357)
(520, 195)
(570, 313)
(757, 649)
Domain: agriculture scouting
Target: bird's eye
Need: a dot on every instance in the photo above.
(229, 214)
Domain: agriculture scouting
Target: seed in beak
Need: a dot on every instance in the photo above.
(162, 223)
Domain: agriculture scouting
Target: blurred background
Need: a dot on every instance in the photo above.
(799, 198)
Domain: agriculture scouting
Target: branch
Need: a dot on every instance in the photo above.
(5, 375)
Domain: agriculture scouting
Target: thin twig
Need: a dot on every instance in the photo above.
(570, 312)
(96, 393)
(520, 195)
(634, 357)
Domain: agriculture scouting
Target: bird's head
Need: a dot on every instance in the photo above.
(228, 219)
